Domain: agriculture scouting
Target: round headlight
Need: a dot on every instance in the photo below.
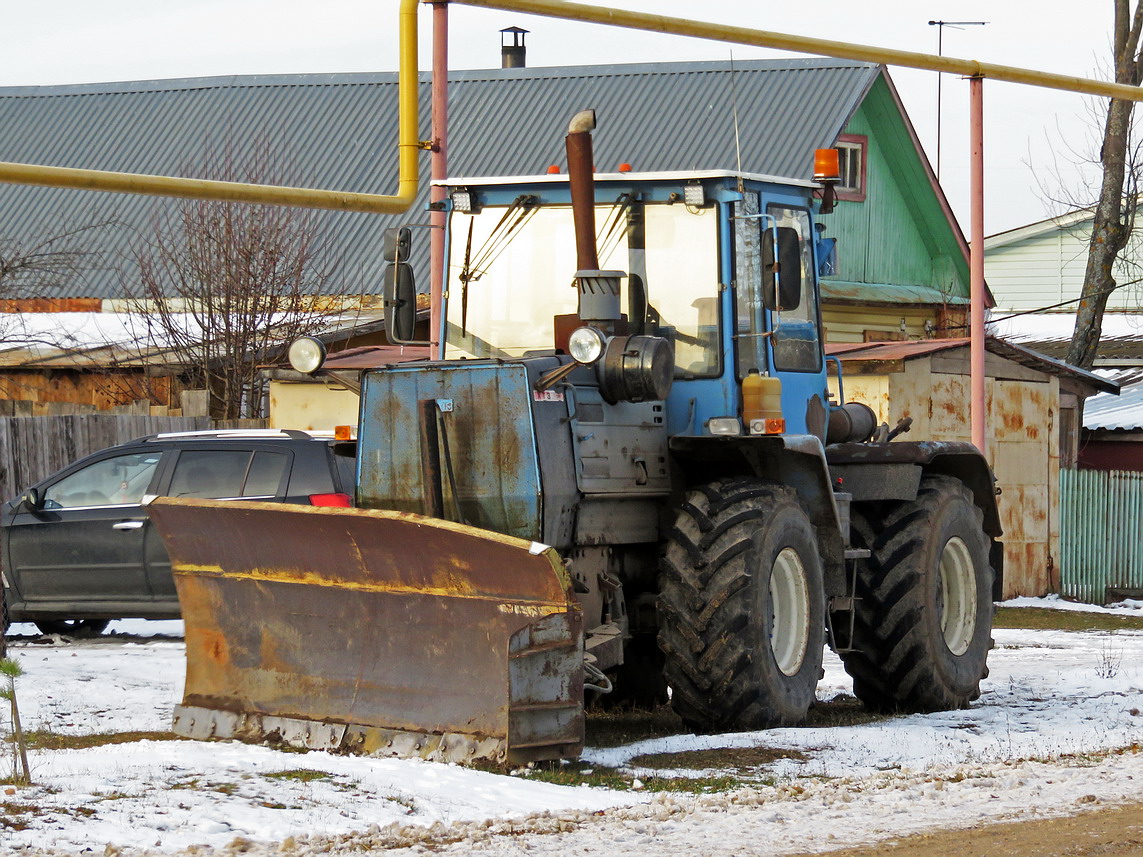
(306, 355)
(585, 345)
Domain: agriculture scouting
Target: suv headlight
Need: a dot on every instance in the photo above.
(586, 345)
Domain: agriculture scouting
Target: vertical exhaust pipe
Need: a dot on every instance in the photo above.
(598, 290)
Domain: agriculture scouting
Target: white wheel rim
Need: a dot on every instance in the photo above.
(958, 596)
(790, 603)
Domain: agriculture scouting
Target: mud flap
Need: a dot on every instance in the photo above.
(373, 631)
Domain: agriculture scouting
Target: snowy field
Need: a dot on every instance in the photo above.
(1056, 730)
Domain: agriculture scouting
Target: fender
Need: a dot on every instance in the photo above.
(893, 471)
(798, 461)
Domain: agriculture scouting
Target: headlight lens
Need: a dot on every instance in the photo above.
(306, 355)
(586, 345)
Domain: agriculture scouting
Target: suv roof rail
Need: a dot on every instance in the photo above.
(294, 434)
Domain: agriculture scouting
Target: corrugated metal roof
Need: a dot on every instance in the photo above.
(1115, 413)
(1051, 333)
(890, 351)
(864, 294)
(338, 131)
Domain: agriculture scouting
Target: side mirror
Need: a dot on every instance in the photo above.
(32, 500)
(395, 244)
(400, 292)
(781, 271)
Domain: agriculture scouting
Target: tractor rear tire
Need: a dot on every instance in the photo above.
(923, 625)
(741, 607)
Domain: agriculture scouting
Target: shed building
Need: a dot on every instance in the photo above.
(1032, 424)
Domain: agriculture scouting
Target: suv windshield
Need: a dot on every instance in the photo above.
(511, 271)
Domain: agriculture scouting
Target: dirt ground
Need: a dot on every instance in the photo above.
(1116, 832)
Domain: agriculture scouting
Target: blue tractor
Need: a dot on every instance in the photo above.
(633, 397)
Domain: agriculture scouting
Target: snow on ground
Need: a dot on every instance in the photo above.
(1036, 742)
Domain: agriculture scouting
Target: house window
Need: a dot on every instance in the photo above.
(851, 150)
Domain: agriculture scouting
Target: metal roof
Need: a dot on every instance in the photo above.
(1115, 413)
(892, 351)
(338, 131)
(1120, 342)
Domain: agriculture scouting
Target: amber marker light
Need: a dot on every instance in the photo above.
(826, 165)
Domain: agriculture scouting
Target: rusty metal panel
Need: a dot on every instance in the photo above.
(384, 621)
(948, 407)
(1020, 411)
(1024, 513)
(452, 441)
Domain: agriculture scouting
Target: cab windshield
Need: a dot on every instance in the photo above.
(511, 271)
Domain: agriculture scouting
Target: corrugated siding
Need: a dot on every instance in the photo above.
(339, 131)
(898, 234)
(1100, 546)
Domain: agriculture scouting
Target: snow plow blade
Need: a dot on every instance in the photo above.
(373, 632)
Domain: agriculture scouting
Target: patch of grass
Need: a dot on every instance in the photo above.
(16, 816)
(842, 710)
(40, 739)
(1042, 619)
(616, 727)
(742, 760)
(302, 775)
(580, 773)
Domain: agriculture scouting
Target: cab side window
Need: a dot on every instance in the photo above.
(118, 481)
(796, 337)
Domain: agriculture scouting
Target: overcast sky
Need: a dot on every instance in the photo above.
(1032, 136)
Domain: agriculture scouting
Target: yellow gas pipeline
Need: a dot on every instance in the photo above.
(806, 44)
(187, 188)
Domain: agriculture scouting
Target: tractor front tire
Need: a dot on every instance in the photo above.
(923, 625)
(741, 607)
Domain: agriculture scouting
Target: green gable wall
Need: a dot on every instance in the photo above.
(899, 235)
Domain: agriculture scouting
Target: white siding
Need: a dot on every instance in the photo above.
(1046, 269)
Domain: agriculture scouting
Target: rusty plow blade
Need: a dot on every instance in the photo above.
(373, 632)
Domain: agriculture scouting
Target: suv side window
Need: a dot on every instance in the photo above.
(265, 475)
(122, 480)
(215, 473)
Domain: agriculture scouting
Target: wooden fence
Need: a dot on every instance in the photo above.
(32, 448)
(1101, 537)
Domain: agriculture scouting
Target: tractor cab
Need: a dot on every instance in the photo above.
(720, 265)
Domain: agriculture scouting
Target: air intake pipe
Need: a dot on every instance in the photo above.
(598, 290)
(628, 368)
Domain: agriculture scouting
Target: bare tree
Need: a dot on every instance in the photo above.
(225, 287)
(40, 266)
(1116, 207)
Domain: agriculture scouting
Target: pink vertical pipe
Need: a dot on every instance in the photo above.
(976, 263)
(439, 170)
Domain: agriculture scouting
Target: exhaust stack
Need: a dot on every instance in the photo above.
(598, 290)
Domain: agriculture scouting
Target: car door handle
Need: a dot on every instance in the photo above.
(127, 525)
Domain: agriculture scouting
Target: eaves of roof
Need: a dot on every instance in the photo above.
(1032, 230)
(888, 352)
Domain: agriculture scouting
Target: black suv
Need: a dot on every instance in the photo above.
(79, 548)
